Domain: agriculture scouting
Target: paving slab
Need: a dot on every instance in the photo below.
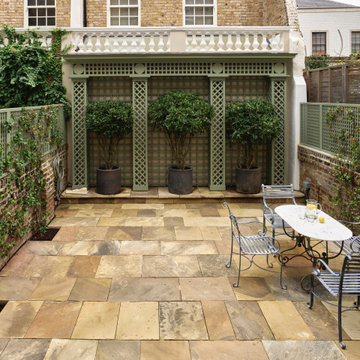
(144, 289)
(226, 350)
(13, 288)
(90, 290)
(217, 320)
(49, 289)
(160, 233)
(61, 349)
(124, 233)
(302, 350)
(214, 265)
(16, 318)
(89, 233)
(208, 288)
(29, 349)
(118, 350)
(140, 247)
(54, 320)
(138, 320)
(254, 288)
(165, 350)
(182, 321)
(97, 320)
(84, 267)
(120, 266)
(248, 321)
(188, 248)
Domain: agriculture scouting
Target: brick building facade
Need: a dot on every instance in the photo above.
(166, 13)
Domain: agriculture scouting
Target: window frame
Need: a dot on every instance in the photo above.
(351, 42)
(123, 26)
(201, 26)
(26, 15)
(326, 40)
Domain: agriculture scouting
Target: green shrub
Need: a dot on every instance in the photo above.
(250, 123)
(31, 75)
(316, 61)
(111, 121)
(180, 116)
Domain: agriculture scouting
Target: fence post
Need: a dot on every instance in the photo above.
(319, 86)
(321, 127)
(330, 85)
(344, 73)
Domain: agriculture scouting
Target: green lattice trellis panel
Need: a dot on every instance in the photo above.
(158, 149)
(238, 89)
(217, 135)
(79, 134)
(140, 156)
(278, 98)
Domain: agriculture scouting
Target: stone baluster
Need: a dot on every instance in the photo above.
(115, 45)
(142, 44)
(193, 42)
(247, 42)
(264, 43)
(151, 43)
(106, 43)
(204, 45)
(161, 43)
(255, 44)
(133, 44)
(97, 43)
(220, 43)
(238, 42)
(211, 42)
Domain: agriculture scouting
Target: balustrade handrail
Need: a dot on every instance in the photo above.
(185, 39)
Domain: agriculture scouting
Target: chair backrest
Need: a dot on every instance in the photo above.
(274, 192)
(350, 275)
(233, 221)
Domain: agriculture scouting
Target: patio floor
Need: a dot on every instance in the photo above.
(146, 280)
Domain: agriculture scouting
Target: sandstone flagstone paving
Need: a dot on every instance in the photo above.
(29, 349)
(61, 349)
(144, 289)
(182, 321)
(302, 350)
(118, 350)
(146, 279)
(138, 320)
(165, 350)
(97, 320)
(90, 290)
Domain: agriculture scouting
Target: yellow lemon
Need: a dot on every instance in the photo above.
(321, 219)
(311, 206)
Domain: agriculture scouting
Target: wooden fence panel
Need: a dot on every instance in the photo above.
(335, 84)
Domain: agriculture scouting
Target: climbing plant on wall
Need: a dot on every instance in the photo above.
(23, 190)
(345, 132)
(30, 74)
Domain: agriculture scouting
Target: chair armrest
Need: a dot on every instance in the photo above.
(271, 212)
(324, 264)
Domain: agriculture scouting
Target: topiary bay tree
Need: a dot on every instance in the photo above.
(180, 116)
(251, 123)
(111, 121)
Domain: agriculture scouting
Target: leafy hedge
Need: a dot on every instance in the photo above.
(30, 75)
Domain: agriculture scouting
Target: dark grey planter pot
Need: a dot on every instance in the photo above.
(108, 182)
(180, 181)
(248, 181)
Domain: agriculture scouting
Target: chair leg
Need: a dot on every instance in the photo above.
(264, 226)
(283, 286)
(228, 265)
(236, 284)
(342, 344)
(311, 302)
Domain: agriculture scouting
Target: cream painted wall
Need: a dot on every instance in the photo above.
(330, 21)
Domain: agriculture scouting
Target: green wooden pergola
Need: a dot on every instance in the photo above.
(141, 67)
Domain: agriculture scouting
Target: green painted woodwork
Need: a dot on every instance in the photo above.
(150, 153)
(140, 150)
(314, 131)
(79, 141)
(217, 135)
(278, 98)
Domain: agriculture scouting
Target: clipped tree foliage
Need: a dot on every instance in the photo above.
(180, 116)
(111, 121)
(250, 123)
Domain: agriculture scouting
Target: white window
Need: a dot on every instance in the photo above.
(41, 12)
(124, 12)
(199, 12)
(355, 41)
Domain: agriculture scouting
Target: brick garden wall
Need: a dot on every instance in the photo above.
(315, 167)
(49, 193)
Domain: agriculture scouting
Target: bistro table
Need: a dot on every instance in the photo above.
(328, 231)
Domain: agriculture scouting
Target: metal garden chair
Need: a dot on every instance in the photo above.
(352, 245)
(251, 246)
(338, 284)
(271, 193)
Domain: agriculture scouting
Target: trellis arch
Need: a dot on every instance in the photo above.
(217, 71)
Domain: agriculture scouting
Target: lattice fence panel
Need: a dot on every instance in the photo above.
(79, 134)
(3, 135)
(140, 135)
(159, 153)
(217, 166)
(111, 88)
(278, 95)
(238, 89)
